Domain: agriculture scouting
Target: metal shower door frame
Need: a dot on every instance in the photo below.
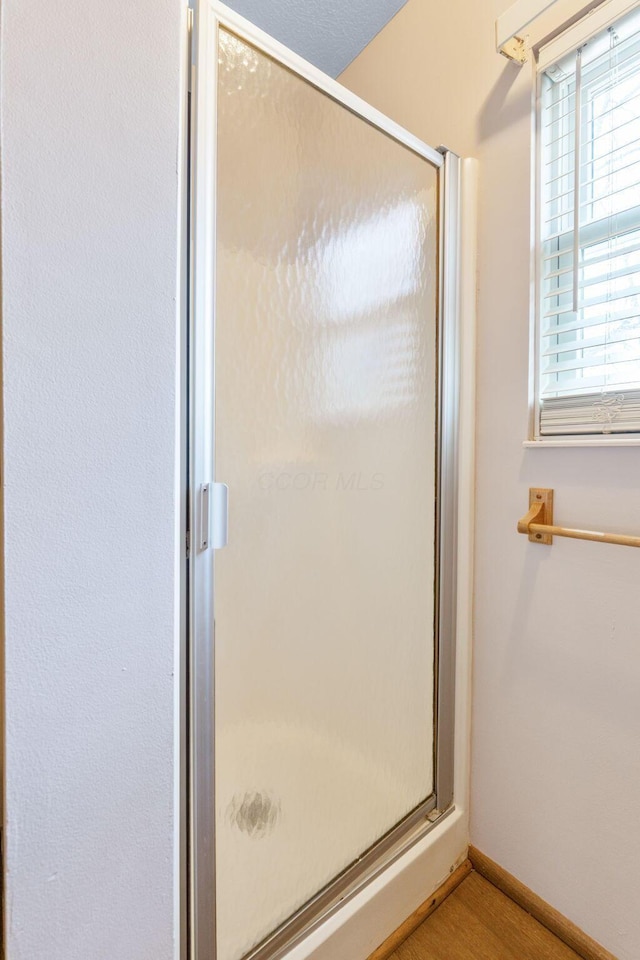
(209, 16)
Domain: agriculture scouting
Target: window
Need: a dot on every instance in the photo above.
(589, 237)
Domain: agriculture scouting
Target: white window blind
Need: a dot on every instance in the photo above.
(589, 315)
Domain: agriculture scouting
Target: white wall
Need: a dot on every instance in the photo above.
(556, 732)
(90, 124)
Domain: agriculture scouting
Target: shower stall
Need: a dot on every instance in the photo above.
(324, 349)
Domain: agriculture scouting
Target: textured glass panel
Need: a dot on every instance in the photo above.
(325, 433)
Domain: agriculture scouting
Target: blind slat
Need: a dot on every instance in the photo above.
(604, 228)
(591, 202)
(622, 377)
(592, 261)
(592, 57)
(596, 301)
(595, 180)
(569, 113)
(604, 340)
(615, 411)
(599, 359)
(551, 330)
(624, 66)
(585, 283)
(620, 152)
(588, 141)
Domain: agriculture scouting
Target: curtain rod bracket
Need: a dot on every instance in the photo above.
(516, 49)
(511, 41)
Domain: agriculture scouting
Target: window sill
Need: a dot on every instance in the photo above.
(599, 441)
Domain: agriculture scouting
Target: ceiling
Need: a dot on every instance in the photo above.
(328, 33)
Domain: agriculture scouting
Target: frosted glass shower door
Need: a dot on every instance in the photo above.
(325, 432)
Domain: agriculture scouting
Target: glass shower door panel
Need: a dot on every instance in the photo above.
(325, 339)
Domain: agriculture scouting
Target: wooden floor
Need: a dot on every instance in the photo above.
(477, 922)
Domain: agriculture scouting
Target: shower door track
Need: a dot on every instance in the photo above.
(200, 803)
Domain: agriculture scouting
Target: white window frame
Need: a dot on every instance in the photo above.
(545, 54)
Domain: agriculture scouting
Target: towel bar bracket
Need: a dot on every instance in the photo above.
(540, 511)
(538, 524)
